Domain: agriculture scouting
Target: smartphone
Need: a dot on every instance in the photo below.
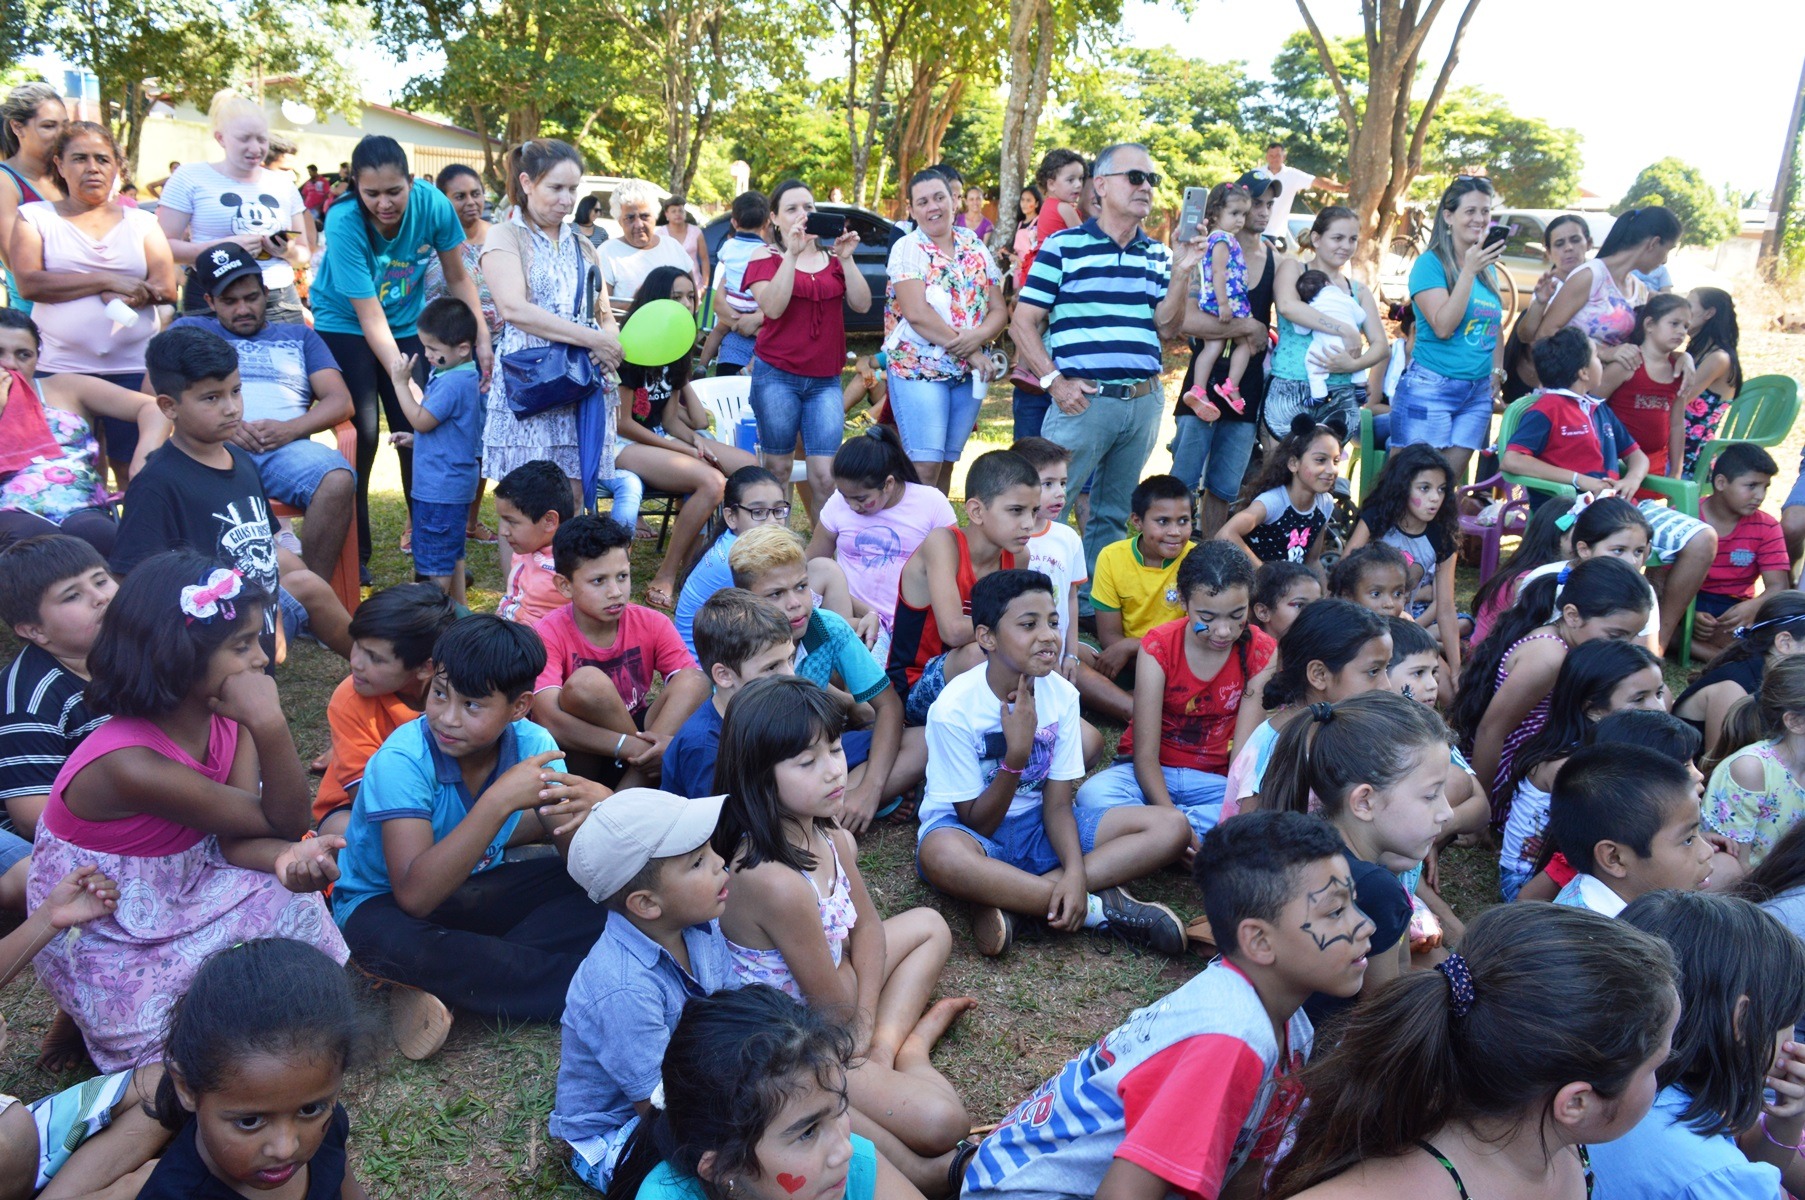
(826, 226)
(1190, 217)
(1497, 235)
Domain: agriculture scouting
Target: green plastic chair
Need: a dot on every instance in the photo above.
(1681, 494)
(1763, 413)
(1372, 459)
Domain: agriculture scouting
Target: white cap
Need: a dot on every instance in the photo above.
(631, 828)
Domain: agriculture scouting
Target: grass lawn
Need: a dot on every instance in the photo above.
(471, 1122)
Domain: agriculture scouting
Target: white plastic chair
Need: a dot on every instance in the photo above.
(728, 400)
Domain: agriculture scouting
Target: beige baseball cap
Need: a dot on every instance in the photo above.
(631, 828)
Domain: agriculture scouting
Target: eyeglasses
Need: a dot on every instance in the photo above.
(1135, 178)
(760, 513)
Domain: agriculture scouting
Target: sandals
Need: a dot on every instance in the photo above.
(955, 1171)
(659, 596)
(1199, 402)
(479, 533)
(419, 1020)
(1231, 396)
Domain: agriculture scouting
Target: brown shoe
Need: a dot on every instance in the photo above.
(992, 929)
(419, 1020)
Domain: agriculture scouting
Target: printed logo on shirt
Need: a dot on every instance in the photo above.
(878, 547)
(1040, 758)
(1297, 544)
(1172, 595)
(1742, 556)
(246, 541)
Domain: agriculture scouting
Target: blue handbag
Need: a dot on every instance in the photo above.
(543, 378)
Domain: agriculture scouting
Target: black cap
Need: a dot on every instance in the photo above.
(219, 264)
(1260, 182)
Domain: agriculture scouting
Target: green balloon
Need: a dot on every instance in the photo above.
(658, 334)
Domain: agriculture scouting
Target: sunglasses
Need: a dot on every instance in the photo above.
(1135, 178)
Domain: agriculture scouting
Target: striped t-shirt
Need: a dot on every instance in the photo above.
(1100, 298)
(43, 718)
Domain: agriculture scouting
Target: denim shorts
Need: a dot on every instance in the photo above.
(934, 416)
(787, 405)
(1212, 455)
(438, 536)
(1021, 840)
(296, 624)
(1196, 794)
(1716, 604)
(1435, 410)
(926, 689)
(13, 850)
(292, 473)
(1796, 497)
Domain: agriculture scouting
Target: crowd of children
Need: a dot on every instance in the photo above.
(645, 827)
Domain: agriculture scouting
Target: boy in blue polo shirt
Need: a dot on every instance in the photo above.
(447, 441)
(887, 762)
(644, 857)
(739, 638)
(429, 893)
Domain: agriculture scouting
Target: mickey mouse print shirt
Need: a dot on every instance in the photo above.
(1287, 533)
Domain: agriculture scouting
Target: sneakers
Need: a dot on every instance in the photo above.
(1135, 921)
(419, 1020)
(992, 929)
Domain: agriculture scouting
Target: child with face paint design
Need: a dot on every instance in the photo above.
(1378, 765)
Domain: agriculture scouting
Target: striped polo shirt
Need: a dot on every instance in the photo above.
(1100, 298)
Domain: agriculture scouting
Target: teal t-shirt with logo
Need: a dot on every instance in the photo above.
(360, 264)
(1467, 352)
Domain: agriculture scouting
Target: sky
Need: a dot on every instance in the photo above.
(1640, 81)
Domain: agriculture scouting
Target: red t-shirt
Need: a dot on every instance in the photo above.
(810, 338)
(1755, 546)
(1046, 223)
(1646, 408)
(1197, 716)
(646, 644)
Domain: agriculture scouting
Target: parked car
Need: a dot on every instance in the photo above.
(872, 257)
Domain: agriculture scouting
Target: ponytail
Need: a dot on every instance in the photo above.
(872, 457)
(1376, 739)
(1330, 632)
(1540, 996)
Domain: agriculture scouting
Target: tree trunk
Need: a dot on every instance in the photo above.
(1021, 113)
(1785, 185)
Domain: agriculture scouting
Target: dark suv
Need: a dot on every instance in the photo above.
(872, 257)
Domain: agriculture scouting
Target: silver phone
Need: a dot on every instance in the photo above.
(1190, 217)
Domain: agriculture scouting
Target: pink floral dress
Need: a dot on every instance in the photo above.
(1754, 817)
(179, 902)
(58, 488)
(958, 290)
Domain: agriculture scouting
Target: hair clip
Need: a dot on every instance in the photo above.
(1581, 503)
(1460, 984)
(212, 596)
(1743, 631)
(1322, 711)
(1566, 573)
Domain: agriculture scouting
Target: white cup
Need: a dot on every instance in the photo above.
(121, 313)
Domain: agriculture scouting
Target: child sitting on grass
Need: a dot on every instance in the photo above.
(531, 502)
(1192, 1094)
(933, 639)
(1757, 788)
(1411, 508)
(645, 857)
(739, 638)
(94, 1138)
(54, 590)
(428, 897)
(392, 636)
(191, 794)
(1750, 548)
(886, 761)
(447, 440)
(1568, 437)
(1281, 590)
(1133, 587)
(602, 656)
(1005, 754)
(1629, 824)
(1376, 578)
(1188, 685)
(1293, 499)
(800, 919)
(201, 492)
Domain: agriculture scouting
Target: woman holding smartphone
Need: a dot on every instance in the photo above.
(800, 285)
(1445, 396)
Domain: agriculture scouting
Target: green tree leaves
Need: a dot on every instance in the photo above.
(1681, 187)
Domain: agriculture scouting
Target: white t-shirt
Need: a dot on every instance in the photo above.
(220, 207)
(966, 744)
(1291, 182)
(1058, 551)
(1654, 602)
(626, 268)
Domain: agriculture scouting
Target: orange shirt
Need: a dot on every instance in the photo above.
(360, 724)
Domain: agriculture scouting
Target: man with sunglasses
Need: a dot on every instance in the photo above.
(1101, 292)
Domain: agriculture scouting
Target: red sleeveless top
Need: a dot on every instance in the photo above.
(915, 635)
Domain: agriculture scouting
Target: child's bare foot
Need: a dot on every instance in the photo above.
(933, 1026)
(62, 1049)
(318, 766)
(1198, 401)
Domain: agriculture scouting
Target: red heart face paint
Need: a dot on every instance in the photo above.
(791, 1183)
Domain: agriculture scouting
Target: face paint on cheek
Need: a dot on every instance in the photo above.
(1200, 628)
(1408, 694)
(1323, 943)
(791, 1183)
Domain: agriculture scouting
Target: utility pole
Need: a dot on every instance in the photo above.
(1780, 207)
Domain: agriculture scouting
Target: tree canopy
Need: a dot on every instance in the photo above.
(1681, 187)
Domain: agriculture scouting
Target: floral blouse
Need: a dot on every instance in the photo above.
(958, 290)
(470, 252)
(1754, 817)
(56, 489)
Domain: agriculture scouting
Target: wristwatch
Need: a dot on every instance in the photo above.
(1046, 381)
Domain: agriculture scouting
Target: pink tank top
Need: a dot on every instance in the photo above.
(144, 835)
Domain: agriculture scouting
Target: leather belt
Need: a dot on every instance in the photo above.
(1126, 391)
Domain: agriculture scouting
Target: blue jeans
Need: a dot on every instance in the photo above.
(787, 405)
(1112, 438)
(1197, 794)
(934, 416)
(1438, 411)
(628, 491)
(1222, 448)
(292, 473)
(1030, 412)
